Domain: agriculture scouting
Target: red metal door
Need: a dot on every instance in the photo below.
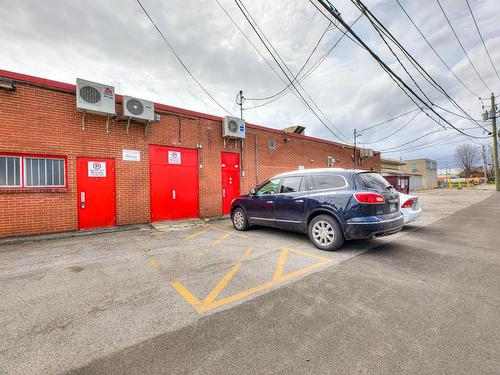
(96, 192)
(230, 179)
(174, 183)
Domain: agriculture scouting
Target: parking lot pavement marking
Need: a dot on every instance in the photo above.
(210, 302)
(233, 233)
(153, 262)
(195, 234)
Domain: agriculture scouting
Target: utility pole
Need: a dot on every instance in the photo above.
(495, 141)
(356, 134)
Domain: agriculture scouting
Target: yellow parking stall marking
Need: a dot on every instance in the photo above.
(186, 294)
(210, 302)
(195, 234)
(223, 282)
(153, 262)
(220, 239)
(278, 272)
(235, 233)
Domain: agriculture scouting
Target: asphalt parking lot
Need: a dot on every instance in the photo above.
(209, 299)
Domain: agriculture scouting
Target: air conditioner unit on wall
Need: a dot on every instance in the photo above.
(138, 108)
(233, 127)
(95, 97)
(366, 153)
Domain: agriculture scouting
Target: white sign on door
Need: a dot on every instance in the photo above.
(174, 157)
(96, 169)
(131, 155)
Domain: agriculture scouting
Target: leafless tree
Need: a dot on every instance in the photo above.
(467, 155)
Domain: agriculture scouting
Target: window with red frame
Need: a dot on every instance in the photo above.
(36, 171)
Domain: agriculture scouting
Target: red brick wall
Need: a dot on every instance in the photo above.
(35, 120)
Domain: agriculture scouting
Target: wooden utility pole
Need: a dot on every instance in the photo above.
(495, 141)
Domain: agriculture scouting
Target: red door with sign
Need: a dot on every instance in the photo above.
(174, 183)
(230, 179)
(96, 192)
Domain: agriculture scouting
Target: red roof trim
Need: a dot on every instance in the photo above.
(163, 107)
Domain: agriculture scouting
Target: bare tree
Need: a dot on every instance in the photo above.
(467, 156)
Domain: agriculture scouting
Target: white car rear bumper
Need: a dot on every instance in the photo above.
(411, 215)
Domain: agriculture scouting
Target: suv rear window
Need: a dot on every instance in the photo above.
(327, 181)
(371, 181)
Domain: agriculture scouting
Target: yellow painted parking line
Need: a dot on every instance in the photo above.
(186, 294)
(153, 262)
(223, 282)
(278, 272)
(195, 234)
(235, 233)
(220, 239)
(210, 302)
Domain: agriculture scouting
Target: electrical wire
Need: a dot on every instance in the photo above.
(301, 69)
(396, 131)
(381, 28)
(180, 60)
(434, 50)
(334, 13)
(482, 40)
(312, 68)
(389, 120)
(268, 45)
(461, 45)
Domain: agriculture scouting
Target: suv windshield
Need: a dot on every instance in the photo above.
(371, 181)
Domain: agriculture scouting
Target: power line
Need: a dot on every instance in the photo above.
(312, 68)
(482, 40)
(371, 17)
(180, 60)
(396, 131)
(268, 45)
(333, 12)
(389, 120)
(301, 69)
(461, 46)
(434, 50)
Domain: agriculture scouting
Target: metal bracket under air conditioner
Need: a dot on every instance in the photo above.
(146, 127)
(83, 120)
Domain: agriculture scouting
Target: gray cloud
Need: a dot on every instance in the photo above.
(112, 41)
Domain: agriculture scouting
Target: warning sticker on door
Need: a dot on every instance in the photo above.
(174, 157)
(97, 169)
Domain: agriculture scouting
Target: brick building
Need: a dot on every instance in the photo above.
(46, 161)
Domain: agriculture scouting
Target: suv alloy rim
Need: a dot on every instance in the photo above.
(323, 233)
(238, 219)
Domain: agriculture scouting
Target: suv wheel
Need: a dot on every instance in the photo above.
(325, 233)
(239, 218)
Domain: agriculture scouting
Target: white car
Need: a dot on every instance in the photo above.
(409, 207)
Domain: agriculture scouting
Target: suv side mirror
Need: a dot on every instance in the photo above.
(252, 192)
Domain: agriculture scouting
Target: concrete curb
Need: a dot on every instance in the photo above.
(59, 235)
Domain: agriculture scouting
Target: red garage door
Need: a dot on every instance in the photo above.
(174, 183)
(96, 192)
(230, 179)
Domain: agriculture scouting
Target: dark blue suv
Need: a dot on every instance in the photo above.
(330, 205)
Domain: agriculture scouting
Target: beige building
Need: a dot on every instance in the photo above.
(423, 169)
(391, 167)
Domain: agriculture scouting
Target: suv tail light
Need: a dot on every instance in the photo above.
(369, 198)
(408, 203)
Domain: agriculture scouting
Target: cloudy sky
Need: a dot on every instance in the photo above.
(113, 42)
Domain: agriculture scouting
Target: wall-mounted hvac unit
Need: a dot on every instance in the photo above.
(95, 97)
(233, 127)
(138, 109)
(366, 153)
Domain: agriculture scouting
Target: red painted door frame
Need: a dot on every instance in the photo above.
(96, 194)
(230, 172)
(173, 183)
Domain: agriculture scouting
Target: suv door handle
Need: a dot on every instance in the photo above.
(269, 202)
(299, 201)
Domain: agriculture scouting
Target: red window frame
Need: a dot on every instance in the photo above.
(40, 156)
